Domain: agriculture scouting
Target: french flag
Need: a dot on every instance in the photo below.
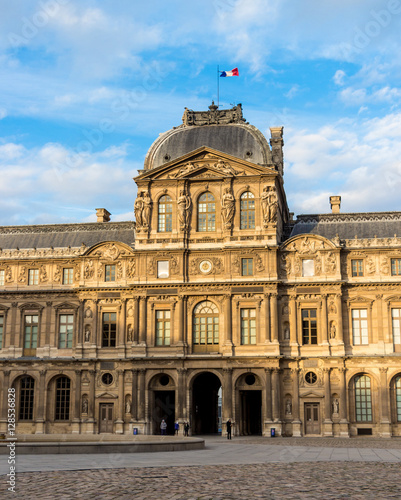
(233, 72)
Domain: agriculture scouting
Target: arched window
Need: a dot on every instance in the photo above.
(63, 387)
(247, 211)
(26, 394)
(363, 399)
(206, 327)
(398, 397)
(206, 212)
(165, 215)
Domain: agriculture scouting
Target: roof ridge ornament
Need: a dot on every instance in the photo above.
(214, 116)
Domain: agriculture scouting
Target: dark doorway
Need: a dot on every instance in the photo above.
(251, 412)
(164, 408)
(205, 404)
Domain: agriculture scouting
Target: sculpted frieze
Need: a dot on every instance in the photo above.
(330, 263)
(131, 268)
(217, 266)
(89, 270)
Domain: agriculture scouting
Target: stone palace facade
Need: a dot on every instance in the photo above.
(215, 304)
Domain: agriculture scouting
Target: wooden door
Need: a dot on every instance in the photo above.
(312, 418)
(106, 417)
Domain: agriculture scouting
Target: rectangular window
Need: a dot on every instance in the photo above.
(309, 326)
(357, 267)
(247, 267)
(162, 327)
(1, 330)
(248, 326)
(396, 267)
(109, 329)
(27, 385)
(110, 272)
(163, 269)
(31, 326)
(33, 277)
(363, 399)
(68, 276)
(66, 329)
(2, 274)
(360, 326)
(62, 399)
(395, 319)
(308, 267)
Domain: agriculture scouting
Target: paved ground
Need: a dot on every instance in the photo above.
(245, 468)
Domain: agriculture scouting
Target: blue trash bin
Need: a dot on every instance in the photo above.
(272, 432)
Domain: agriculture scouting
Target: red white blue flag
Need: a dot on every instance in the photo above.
(233, 72)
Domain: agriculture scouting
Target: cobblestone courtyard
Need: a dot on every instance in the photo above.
(294, 474)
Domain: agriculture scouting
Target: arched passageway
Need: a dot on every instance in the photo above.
(205, 407)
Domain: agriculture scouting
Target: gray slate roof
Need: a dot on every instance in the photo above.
(65, 235)
(349, 225)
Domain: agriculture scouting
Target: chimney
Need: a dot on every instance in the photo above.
(335, 204)
(102, 215)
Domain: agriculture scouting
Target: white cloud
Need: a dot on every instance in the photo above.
(339, 77)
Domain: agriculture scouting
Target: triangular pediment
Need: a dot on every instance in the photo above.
(106, 395)
(205, 163)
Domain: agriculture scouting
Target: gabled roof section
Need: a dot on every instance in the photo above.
(206, 160)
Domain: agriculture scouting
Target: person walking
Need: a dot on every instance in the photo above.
(163, 427)
(176, 428)
(228, 424)
(186, 429)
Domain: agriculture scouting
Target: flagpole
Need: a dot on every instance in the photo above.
(218, 87)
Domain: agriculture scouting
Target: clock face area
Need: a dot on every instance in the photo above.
(205, 266)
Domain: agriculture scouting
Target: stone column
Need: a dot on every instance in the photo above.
(328, 423)
(268, 391)
(92, 402)
(323, 320)
(296, 423)
(340, 332)
(121, 402)
(122, 330)
(40, 415)
(77, 404)
(293, 321)
(227, 394)
(228, 318)
(180, 321)
(344, 430)
(136, 320)
(180, 399)
(134, 405)
(267, 317)
(273, 316)
(276, 394)
(142, 321)
(385, 424)
(4, 407)
(141, 395)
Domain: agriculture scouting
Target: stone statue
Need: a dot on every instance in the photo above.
(286, 333)
(333, 330)
(273, 205)
(130, 332)
(227, 208)
(128, 406)
(184, 210)
(288, 407)
(138, 209)
(147, 207)
(85, 405)
(265, 205)
(87, 333)
(335, 406)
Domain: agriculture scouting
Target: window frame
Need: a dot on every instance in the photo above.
(247, 326)
(68, 277)
(165, 217)
(109, 334)
(305, 273)
(160, 273)
(2, 277)
(31, 351)
(211, 329)
(26, 399)
(163, 340)
(62, 398)
(69, 336)
(206, 223)
(357, 334)
(306, 326)
(396, 319)
(110, 273)
(33, 277)
(357, 268)
(365, 401)
(247, 214)
(395, 266)
(247, 266)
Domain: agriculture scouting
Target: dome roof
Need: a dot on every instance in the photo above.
(223, 130)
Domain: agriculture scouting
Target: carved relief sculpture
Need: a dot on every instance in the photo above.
(269, 203)
(227, 208)
(288, 407)
(333, 330)
(87, 333)
(138, 209)
(147, 208)
(336, 406)
(130, 332)
(184, 210)
(85, 405)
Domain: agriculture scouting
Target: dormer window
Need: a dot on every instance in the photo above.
(308, 267)
(206, 212)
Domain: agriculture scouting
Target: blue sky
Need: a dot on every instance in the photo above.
(86, 86)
